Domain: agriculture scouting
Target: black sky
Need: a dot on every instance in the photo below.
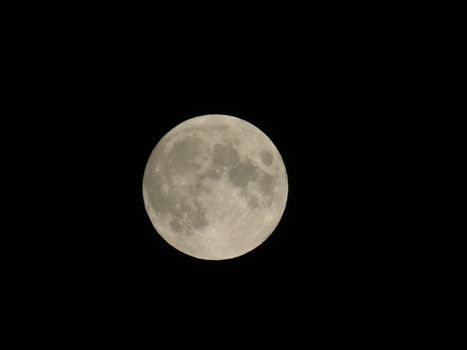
(330, 101)
(326, 121)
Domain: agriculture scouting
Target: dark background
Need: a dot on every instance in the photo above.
(331, 252)
(328, 92)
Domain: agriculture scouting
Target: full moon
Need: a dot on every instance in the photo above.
(215, 187)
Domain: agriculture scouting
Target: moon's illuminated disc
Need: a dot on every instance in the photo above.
(215, 187)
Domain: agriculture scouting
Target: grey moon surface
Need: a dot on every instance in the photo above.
(215, 187)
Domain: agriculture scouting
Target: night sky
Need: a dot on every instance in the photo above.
(331, 103)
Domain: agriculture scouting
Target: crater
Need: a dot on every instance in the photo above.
(242, 173)
(253, 202)
(266, 157)
(154, 184)
(211, 173)
(187, 214)
(223, 155)
(219, 127)
(197, 217)
(175, 226)
(181, 158)
(267, 184)
(182, 211)
(199, 186)
(239, 172)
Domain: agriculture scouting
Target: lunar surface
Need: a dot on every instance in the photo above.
(215, 187)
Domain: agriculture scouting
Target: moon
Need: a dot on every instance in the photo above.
(215, 187)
